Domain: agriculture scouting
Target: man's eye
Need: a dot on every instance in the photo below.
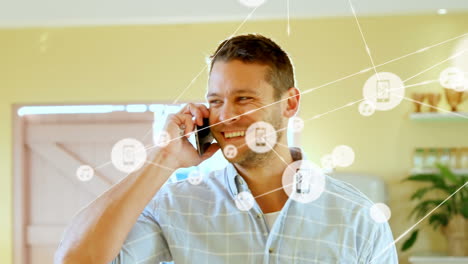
(243, 98)
(215, 101)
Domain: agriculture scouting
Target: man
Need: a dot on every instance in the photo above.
(140, 221)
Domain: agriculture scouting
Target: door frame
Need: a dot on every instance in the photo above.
(20, 184)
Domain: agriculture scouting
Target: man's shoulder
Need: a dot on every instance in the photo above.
(198, 189)
(345, 192)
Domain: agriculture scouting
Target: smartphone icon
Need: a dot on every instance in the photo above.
(128, 155)
(383, 91)
(203, 136)
(260, 134)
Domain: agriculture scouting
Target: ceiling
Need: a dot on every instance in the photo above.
(36, 13)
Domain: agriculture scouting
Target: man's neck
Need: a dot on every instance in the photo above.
(266, 180)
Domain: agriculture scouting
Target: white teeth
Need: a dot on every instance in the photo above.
(234, 134)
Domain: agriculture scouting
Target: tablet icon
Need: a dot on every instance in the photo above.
(302, 181)
(260, 136)
(383, 91)
(128, 155)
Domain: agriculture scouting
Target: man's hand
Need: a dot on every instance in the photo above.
(179, 127)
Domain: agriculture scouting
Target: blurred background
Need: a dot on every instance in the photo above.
(76, 77)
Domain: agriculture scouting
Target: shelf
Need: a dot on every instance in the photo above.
(437, 259)
(428, 171)
(450, 117)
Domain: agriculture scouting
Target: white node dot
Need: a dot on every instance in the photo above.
(85, 173)
(452, 78)
(296, 124)
(161, 139)
(386, 90)
(380, 212)
(128, 155)
(244, 201)
(252, 3)
(261, 137)
(230, 151)
(327, 162)
(195, 177)
(343, 156)
(303, 181)
(367, 108)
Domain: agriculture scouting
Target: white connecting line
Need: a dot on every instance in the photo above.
(329, 83)
(339, 108)
(363, 38)
(206, 66)
(417, 223)
(289, 25)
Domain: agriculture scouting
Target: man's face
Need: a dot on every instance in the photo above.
(235, 88)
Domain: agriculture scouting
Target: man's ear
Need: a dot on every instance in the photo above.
(292, 102)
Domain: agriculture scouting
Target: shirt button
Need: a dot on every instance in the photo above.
(270, 250)
(259, 215)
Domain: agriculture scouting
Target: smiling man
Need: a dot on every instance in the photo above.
(141, 221)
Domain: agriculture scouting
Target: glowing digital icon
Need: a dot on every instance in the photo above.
(383, 91)
(230, 151)
(302, 181)
(260, 136)
(128, 155)
(452, 78)
(252, 3)
(85, 173)
(386, 90)
(367, 108)
(244, 201)
(195, 177)
(162, 139)
(380, 213)
(343, 156)
(327, 163)
(297, 124)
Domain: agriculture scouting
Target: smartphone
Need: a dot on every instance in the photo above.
(203, 136)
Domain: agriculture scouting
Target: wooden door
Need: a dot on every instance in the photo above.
(52, 148)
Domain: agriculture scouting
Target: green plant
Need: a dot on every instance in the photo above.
(441, 185)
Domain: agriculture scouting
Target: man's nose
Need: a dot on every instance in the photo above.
(229, 114)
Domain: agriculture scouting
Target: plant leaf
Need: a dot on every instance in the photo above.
(464, 209)
(447, 173)
(423, 207)
(410, 241)
(420, 193)
(438, 219)
(433, 178)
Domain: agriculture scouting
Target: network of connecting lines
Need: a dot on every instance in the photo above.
(303, 180)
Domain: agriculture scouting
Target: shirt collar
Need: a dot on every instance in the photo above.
(236, 183)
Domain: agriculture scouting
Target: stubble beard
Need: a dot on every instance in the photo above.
(252, 159)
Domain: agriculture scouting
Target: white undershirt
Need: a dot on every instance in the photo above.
(270, 219)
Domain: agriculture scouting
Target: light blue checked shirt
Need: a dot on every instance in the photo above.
(188, 223)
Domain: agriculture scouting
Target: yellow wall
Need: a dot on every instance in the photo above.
(155, 63)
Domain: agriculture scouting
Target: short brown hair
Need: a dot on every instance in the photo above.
(255, 48)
